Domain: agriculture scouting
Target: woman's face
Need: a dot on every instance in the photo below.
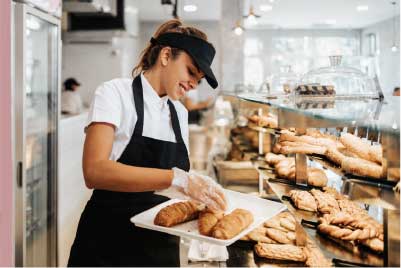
(180, 75)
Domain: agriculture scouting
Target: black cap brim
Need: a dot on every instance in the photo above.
(201, 51)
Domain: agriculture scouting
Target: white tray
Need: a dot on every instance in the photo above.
(261, 209)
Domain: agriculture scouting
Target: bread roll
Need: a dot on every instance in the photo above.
(207, 220)
(178, 213)
(273, 159)
(232, 224)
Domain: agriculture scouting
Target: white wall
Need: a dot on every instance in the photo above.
(388, 61)
(94, 63)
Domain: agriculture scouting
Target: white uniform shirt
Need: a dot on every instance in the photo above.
(71, 102)
(113, 103)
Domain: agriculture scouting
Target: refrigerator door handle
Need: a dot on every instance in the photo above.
(19, 174)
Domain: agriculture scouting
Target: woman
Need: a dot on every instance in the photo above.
(136, 143)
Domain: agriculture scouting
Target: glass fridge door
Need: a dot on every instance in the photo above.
(41, 126)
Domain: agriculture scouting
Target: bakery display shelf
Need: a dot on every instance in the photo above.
(370, 113)
(332, 248)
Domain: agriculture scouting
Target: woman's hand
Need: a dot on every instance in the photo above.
(200, 188)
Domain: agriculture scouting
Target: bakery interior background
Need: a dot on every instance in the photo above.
(255, 40)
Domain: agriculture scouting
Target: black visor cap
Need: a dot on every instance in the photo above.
(201, 51)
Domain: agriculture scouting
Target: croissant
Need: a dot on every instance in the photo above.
(232, 224)
(207, 220)
(178, 213)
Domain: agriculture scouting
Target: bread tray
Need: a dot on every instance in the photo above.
(261, 209)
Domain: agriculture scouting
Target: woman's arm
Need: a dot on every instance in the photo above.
(102, 173)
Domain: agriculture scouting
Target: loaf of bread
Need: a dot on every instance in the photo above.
(362, 149)
(207, 220)
(290, 147)
(280, 252)
(178, 213)
(362, 167)
(232, 224)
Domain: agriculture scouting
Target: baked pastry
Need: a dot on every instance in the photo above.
(362, 149)
(303, 200)
(280, 252)
(375, 244)
(259, 235)
(316, 177)
(315, 257)
(273, 159)
(326, 203)
(334, 155)
(362, 167)
(279, 236)
(178, 213)
(289, 147)
(207, 220)
(275, 223)
(232, 224)
(287, 224)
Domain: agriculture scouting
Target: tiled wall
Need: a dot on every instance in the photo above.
(6, 182)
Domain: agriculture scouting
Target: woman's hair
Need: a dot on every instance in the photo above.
(150, 54)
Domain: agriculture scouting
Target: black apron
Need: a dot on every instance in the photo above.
(105, 235)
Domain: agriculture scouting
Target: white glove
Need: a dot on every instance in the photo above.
(200, 188)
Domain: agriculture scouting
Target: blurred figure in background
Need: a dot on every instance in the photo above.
(71, 102)
(195, 107)
(396, 91)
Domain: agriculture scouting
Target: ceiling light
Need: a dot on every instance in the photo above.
(190, 8)
(265, 8)
(271, 1)
(331, 22)
(362, 8)
(394, 48)
(238, 29)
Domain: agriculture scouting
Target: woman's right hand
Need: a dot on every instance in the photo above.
(200, 188)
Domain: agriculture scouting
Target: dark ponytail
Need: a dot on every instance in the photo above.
(150, 54)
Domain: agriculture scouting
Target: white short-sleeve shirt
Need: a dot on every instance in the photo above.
(113, 103)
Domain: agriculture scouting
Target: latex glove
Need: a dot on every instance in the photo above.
(200, 188)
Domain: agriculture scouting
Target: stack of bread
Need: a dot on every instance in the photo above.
(285, 168)
(276, 240)
(341, 218)
(210, 223)
(353, 154)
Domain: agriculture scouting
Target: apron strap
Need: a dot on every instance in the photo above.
(175, 122)
(138, 99)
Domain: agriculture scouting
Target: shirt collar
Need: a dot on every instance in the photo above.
(151, 94)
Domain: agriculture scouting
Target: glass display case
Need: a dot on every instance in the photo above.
(36, 112)
(280, 84)
(345, 80)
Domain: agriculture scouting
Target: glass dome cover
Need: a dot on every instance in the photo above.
(346, 81)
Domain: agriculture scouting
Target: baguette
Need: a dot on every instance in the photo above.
(362, 167)
(178, 213)
(232, 224)
(207, 220)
